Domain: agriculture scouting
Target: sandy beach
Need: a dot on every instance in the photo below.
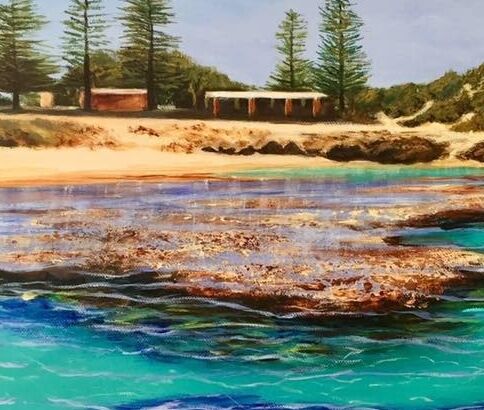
(153, 148)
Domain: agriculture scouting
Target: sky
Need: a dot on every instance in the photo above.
(406, 40)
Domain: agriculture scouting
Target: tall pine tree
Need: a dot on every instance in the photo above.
(342, 68)
(24, 65)
(83, 36)
(146, 44)
(293, 72)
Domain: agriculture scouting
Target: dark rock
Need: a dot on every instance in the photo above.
(476, 153)
(275, 148)
(450, 219)
(384, 149)
(227, 151)
(293, 149)
(209, 149)
(343, 153)
(247, 151)
(272, 148)
(409, 150)
(8, 142)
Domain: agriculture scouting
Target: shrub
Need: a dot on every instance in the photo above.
(404, 100)
(476, 123)
(5, 100)
(443, 111)
(366, 104)
(446, 87)
(30, 99)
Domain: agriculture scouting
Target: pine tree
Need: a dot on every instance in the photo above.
(146, 44)
(83, 36)
(342, 68)
(293, 72)
(24, 65)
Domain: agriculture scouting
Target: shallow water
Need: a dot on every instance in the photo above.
(60, 350)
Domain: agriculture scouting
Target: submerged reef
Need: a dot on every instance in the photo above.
(270, 248)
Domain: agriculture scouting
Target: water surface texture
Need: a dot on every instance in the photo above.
(123, 341)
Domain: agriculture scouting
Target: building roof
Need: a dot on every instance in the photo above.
(273, 95)
(118, 91)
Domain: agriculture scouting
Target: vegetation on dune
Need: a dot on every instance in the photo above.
(452, 95)
(446, 111)
(293, 72)
(44, 133)
(476, 123)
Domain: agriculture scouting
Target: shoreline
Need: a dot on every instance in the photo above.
(165, 149)
(11, 177)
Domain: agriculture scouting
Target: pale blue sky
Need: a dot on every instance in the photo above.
(406, 40)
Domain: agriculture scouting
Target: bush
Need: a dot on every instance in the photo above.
(30, 99)
(446, 87)
(366, 104)
(475, 77)
(443, 111)
(404, 100)
(478, 101)
(5, 100)
(476, 123)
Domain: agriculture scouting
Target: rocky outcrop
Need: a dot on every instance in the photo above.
(476, 153)
(448, 219)
(383, 148)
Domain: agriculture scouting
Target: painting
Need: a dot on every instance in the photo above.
(272, 204)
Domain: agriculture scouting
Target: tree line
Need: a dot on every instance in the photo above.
(341, 68)
(148, 56)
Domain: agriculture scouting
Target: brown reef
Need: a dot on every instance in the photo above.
(380, 147)
(317, 258)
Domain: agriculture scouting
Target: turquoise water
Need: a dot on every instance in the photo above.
(470, 237)
(64, 350)
(364, 175)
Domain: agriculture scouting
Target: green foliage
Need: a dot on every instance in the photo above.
(475, 77)
(293, 73)
(192, 79)
(5, 100)
(447, 111)
(404, 100)
(342, 68)
(478, 101)
(30, 100)
(447, 86)
(106, 73)
(447, 92)
(195, 80)
(24, 65)
(84, 30)
(83, 36)
(476, 123)
(364, 106)
(147, 45)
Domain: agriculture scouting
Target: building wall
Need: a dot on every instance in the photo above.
(118, 102)
(47, 99)
(271, 111)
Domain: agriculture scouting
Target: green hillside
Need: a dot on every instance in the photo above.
(453, 95)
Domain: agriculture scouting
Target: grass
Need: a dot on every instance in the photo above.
(44, 133)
